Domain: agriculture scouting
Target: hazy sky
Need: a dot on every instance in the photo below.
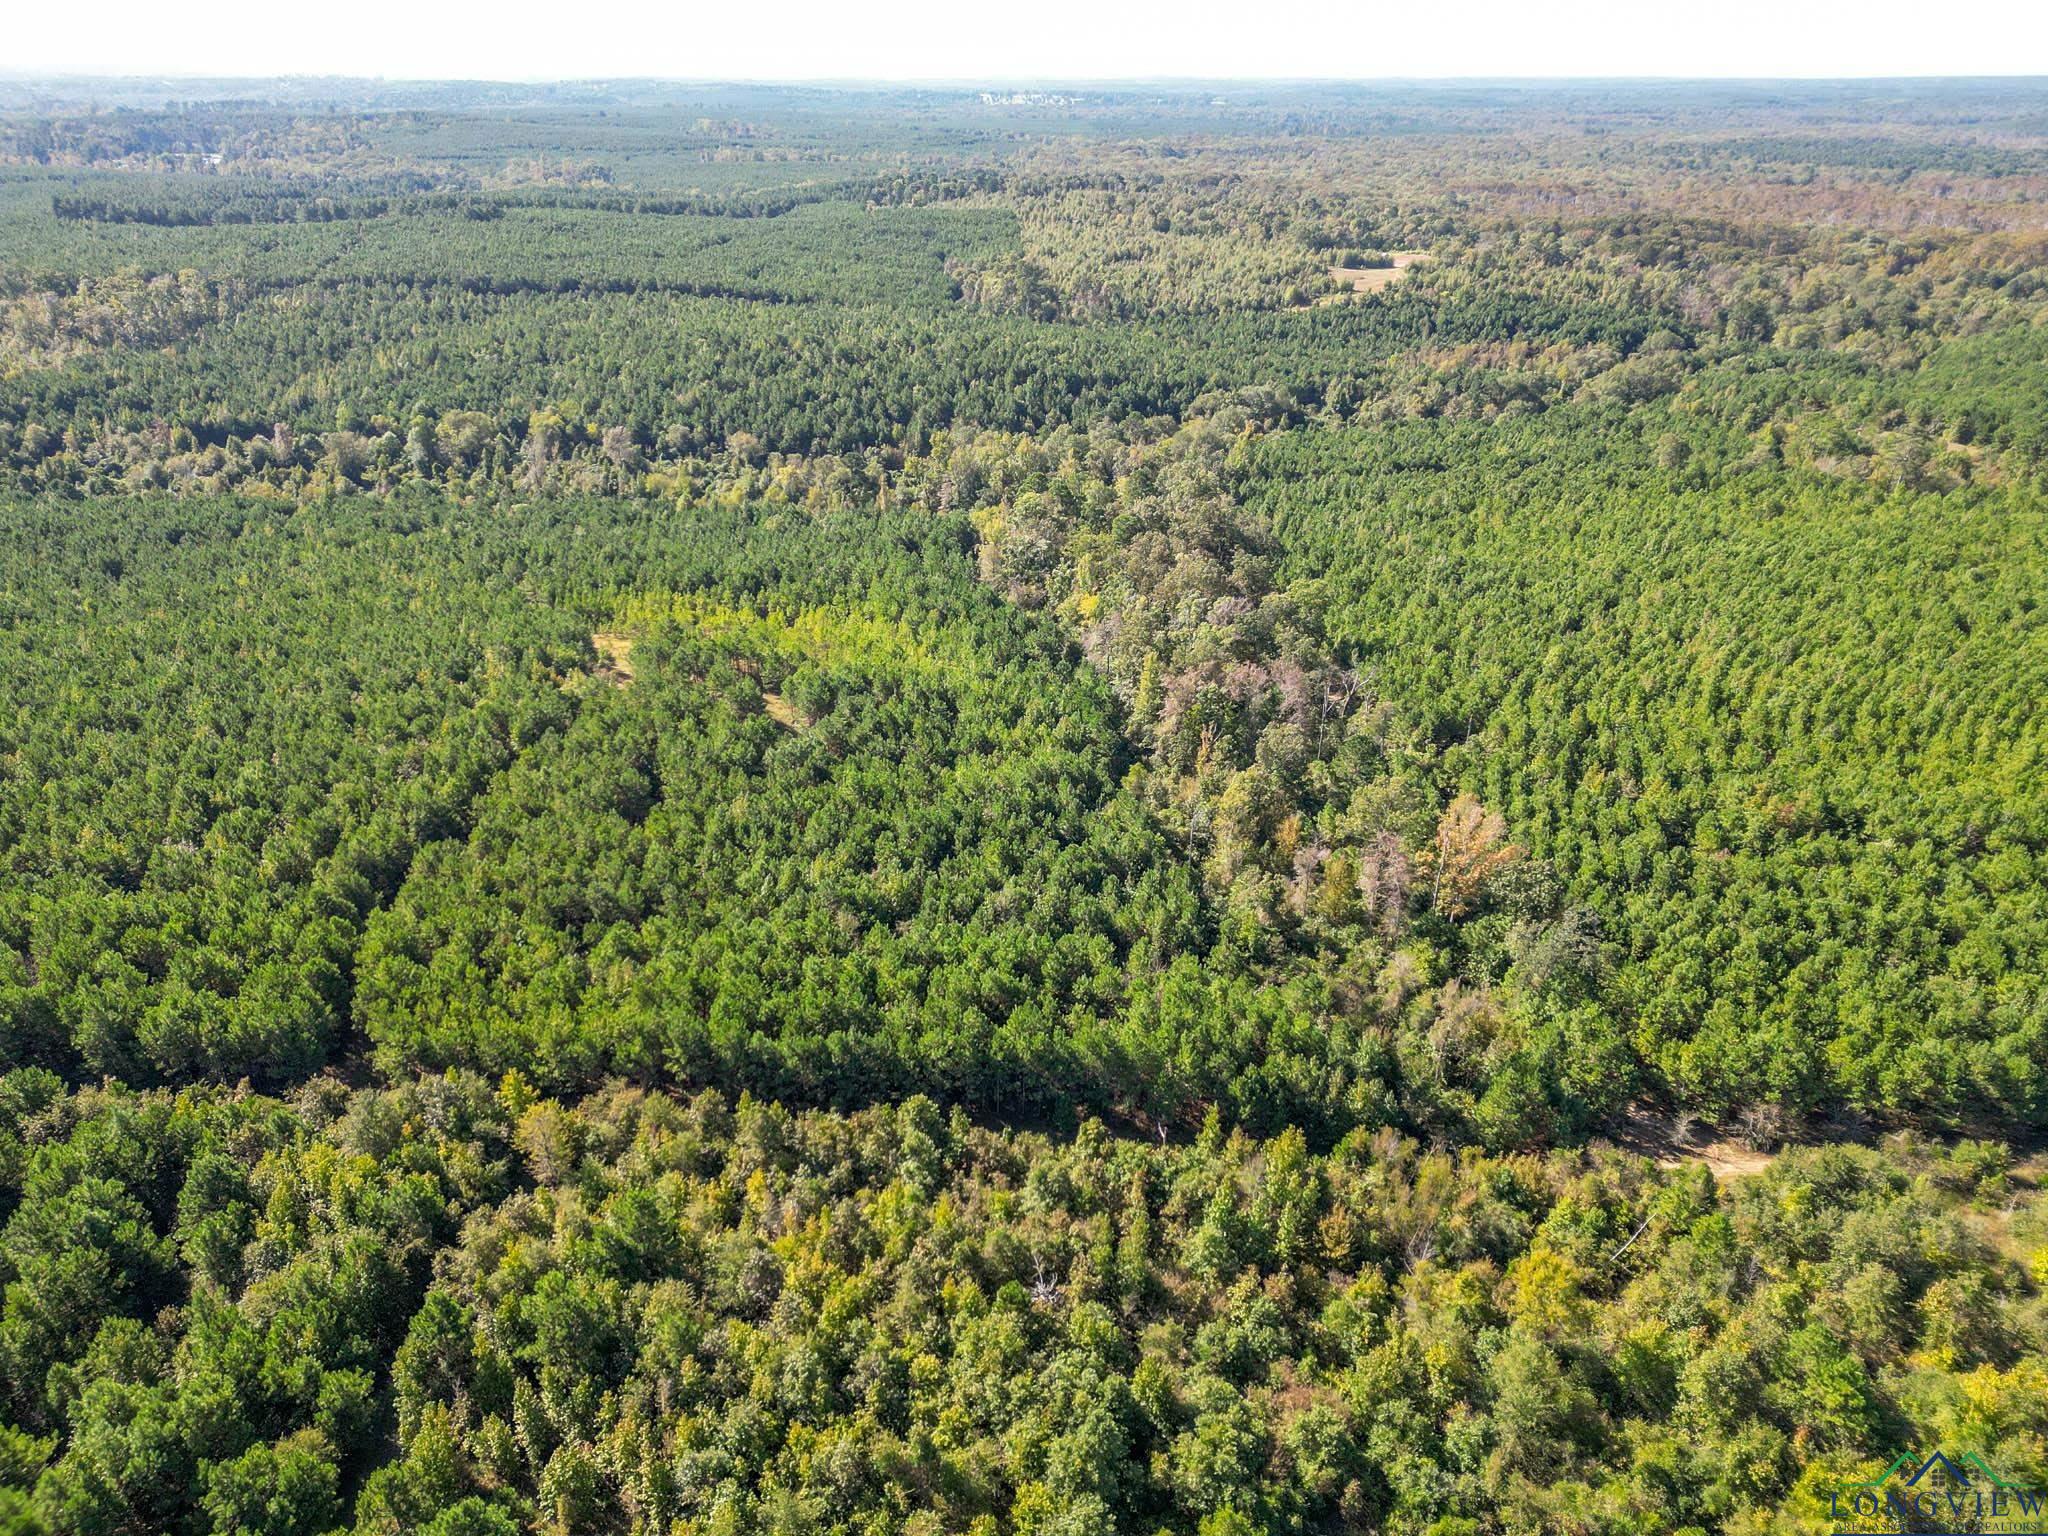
(1064, 39)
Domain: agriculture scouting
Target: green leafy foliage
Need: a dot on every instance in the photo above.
(652, 1313)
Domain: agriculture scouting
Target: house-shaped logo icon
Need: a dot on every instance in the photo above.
(1943, 1472)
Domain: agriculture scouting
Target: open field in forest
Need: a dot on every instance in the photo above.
(1378, 279)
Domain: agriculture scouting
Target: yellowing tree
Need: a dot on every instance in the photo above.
(1471, 847)
(1543, 1292)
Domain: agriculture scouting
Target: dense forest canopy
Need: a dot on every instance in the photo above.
(1193, 812)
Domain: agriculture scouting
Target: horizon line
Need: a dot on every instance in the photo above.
(16, 75)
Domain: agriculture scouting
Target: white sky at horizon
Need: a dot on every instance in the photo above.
(1066, 40)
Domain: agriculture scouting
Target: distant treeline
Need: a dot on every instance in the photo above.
(205, 207)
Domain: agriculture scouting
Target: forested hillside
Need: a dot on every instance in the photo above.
(747, 810)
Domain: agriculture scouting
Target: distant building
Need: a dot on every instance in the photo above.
(1028, 99)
